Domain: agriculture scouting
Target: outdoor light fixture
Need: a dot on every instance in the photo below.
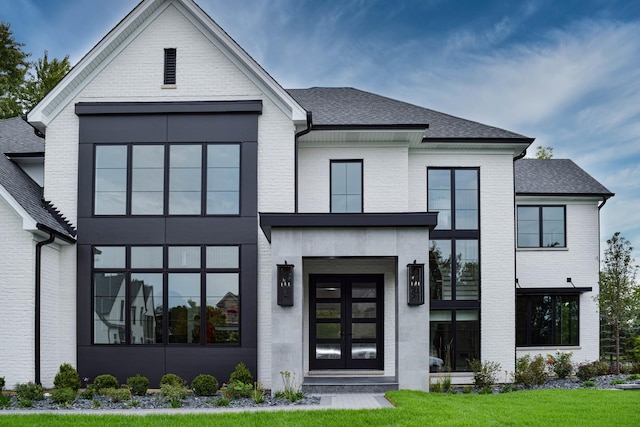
(569, 281)
(415, 284)
(285, 284)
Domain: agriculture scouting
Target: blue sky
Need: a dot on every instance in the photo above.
(564, 72)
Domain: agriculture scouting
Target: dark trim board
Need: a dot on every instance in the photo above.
(552, 291)
(356, 220)
(102, 108)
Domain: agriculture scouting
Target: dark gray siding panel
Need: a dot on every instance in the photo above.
(212, 128)
(120, 128)
(122, 231)
(184, 230)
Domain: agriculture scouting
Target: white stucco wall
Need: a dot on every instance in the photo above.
(580, 260)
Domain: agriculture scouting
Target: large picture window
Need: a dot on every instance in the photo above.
(454, 339)
(547, 320)
(346, 186)
(541, 227)
(167, 179)
(166, 295)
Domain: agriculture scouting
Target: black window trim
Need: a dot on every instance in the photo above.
(541, 226)
(331, 162)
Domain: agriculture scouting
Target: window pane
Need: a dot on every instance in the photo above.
(346, 186)
(440, 270)
(185, 179)
(109, 308)
(223, 179)
(146, 300)
(328, 290)
(528, 227)
(109, 257)
(466, 199)
(467, 270)
(328, 330)
(363, 330)
(567, 330)
(363, 310)
(439, 196)
(522, 316)
(184, 308)
(363, 290)
(146, 257)
(328, 351)
(223, 257)
(364, 351)
(147, 180)
(184, 257)
(541, 320)
(553, 227)
(441, 339)
(110, 192)
(467, 345)
(328, 310)
(223, 308)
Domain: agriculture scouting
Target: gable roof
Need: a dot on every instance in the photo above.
(556, 177)
(127, 29)
(20, 191)
(334, 107)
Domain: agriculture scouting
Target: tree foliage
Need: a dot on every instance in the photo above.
(619, 297)
(13, 68)
(20, 88)
(544, 152)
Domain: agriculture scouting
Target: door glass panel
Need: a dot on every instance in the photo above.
(363, 330)
(364, 351)
(363, 290)
(363, 310)
(328, 330)
(328, 351)
(327, 310)
(328, 290)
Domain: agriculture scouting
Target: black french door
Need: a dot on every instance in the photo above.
(346, 327)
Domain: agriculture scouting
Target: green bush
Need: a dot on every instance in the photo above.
(172, 379)
(586, 371)
(633, 377)
(602, 367)
(236, 390)
(242, 374)
(117, 394)
(485, 374)
(5, 400)
(64, 396)
(635, 367)
(560, 364)
(530, 372)
(88, 393)
(173, 393)
(588, 384)
(223, 401)
(1, 384)
(138, 385)
(204, 385)
(67, 377)
(104, 381)
(29, 391)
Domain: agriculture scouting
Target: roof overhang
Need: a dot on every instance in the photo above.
(268, 221)
(517, 145)
(408, 134)
(127, 30)
(553, 291)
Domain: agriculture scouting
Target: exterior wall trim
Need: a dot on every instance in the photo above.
(94, 108)
(553, 291)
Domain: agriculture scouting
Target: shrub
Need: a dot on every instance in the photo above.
(138, 385)
(25, 403)
(29, 391)
(634, 377)
(586, 371)
(589, 384)
(602, 367)
(173, 393)
(486, 390)
(67, 377)
(530, 372)
(236, 390)
(292, 392)
(258, 392)
(117, 394)
(172, 379)
(242, 374)
(204, 385)
(88, 393)
(635, 367)
(1, 384)
(5, 400)
(223, 401)
(64, 396)
(561, 364)
(615, 382)
(485, 374)
(104, 381)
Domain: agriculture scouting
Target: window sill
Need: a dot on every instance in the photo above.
(542, 249)
(549, 348)
(174, 86)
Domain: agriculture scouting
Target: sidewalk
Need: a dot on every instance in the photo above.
(327, 401)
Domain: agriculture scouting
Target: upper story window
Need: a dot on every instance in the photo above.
(454, 193)
(346, 186)
(167, 179)
(170, 56)
(541, 227)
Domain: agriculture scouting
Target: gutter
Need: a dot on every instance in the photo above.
(38, 291)
(295, 158)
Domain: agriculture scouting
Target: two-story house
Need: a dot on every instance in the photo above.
(334, 233)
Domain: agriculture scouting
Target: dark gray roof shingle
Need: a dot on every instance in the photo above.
(555, 177)
(17, 137)
(345, 106)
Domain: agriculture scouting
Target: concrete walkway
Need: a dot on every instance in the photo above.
(327, 401)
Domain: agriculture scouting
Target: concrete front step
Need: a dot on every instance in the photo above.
(348, 384)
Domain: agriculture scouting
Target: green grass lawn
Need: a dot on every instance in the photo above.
(523, 408)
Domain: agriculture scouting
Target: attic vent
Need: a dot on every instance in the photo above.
(170, 66)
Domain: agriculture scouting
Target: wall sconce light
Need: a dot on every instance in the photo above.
(285, 284)
(415, 284)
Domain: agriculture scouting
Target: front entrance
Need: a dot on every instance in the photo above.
(346, 328)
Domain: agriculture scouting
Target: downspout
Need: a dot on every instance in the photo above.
(604, 201)
(295, 158)
(38, 287)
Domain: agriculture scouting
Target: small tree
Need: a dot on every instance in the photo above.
(619, 296)
(13, 67)
(47, 73)
(544, 152)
